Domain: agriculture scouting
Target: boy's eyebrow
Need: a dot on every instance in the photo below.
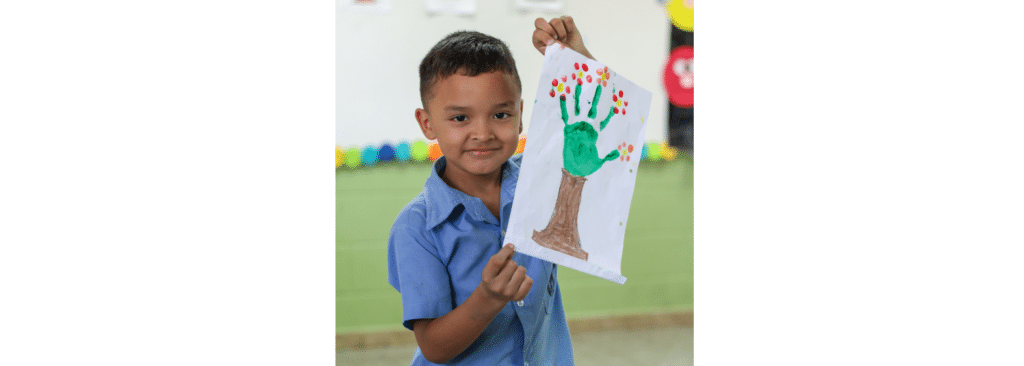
(456, 108)
(459, 108)
(507, 104)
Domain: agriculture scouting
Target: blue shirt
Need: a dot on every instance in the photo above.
(437, 250)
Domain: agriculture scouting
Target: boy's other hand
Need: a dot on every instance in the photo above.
(503, 279)
(561, 30)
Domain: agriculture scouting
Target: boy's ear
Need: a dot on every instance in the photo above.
(424, 120)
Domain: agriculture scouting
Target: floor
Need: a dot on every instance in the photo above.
(654, 347)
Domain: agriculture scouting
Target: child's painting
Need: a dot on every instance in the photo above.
(579, 167)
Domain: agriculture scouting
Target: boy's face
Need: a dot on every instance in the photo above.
(476, 121)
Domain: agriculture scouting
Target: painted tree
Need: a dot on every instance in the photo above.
(580, 158)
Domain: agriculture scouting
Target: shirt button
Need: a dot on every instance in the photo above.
(520, 302)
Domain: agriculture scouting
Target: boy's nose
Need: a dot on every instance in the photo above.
(482, 131)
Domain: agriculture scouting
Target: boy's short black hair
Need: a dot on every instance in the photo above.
(467, 53)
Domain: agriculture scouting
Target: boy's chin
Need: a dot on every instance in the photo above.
(486, 164)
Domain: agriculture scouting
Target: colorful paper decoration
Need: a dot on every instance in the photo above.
(434, 151)
(678, 76)
(521, 145)
(654, 151)
(403, 152)
(681, 13)
(419, 151)
(352, 158)
(369, 155)
(339, 157)
(668, 152)
(386, 153)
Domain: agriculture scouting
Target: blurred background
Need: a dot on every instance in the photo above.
(383, 160)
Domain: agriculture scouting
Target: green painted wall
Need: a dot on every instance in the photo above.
(657, 258)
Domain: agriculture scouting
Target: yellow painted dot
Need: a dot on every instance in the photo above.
(581, 74)
(560, 87)
(339, 157)
(618, 102)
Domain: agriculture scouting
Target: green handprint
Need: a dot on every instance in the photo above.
(580, 145)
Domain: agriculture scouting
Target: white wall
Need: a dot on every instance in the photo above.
(378, 57)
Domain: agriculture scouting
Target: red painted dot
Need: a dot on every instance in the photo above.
(604, 83)
(554, 82)
(552, 93)
(630, 148)
(574, 76)
(576, 65)
(589, 79)
(614, 98)
(562, 97)
(567, 91)
(579, 81)
(584, 67)
(623, 111)
(620, 157)
(625, 103)
(564, 78)
(620, 93)
(616, 110)
(627, 157)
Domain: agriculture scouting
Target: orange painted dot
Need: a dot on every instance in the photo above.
(630, 148)
(521, 146)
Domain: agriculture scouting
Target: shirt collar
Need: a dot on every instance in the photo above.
(443, 200)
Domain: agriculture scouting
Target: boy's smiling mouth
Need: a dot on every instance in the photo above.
(478, 152)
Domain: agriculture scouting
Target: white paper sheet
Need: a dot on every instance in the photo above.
(577, 178)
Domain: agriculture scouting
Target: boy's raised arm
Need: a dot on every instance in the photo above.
(562, 30)
(441, 339)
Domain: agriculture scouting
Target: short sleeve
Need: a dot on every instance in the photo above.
(415, 269)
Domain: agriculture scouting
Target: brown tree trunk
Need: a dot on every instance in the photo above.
(562, 234)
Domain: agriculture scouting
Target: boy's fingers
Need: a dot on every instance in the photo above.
(570, 26)
(541, 40)
(559, 28)
(506, 273)
(498, 261)
(505, 253)
(544, 26)
(515, 282)
(524, 289)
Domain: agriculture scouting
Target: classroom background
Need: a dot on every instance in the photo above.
(382, 161)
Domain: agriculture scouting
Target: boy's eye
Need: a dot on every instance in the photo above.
(502, 115)
(460, 118)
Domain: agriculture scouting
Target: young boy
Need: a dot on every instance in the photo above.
(468, 299)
